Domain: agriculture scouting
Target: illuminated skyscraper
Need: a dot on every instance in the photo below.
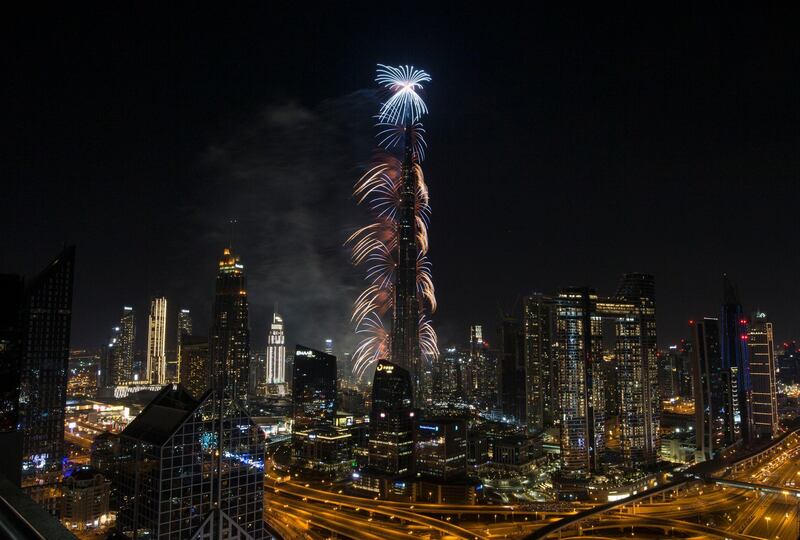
(157, 341)
(481, 378)
(276, 351)
(391, 423)
(405, 323)
(313, 389)
(584, 374)
(195, 371)
(539, 389)
(117, 356)
(328, 346)
(229, 345)
(401, 284)
(126, 343)
(184, 329)
(46, 321)
(735, 360)
(579, 353)
(762, 375)
(317, 442)
(448, 377)
(108, 360)
(634, 309)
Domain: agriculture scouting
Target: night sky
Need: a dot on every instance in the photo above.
(565, 148)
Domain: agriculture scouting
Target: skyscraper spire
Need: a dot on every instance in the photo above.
(396, 244)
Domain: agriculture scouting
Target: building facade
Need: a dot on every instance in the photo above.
(579, 355)
(229, 341)
(125, 347)
(191, 468)
(157, 341)
(736, 360)
(512, 377)
(276, 351)
(713, 422)
(195, 372)
(440, 448)
(636, 351)
(763, 372)
(391, 423)
(539, 373)
(46, 322)
(184, 329)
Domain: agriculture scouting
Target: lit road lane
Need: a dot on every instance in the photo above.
(340, 523)
(365, 515)
(626, 521)
(301, 490)
(352, 526)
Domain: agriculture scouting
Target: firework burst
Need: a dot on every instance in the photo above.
(376, 246)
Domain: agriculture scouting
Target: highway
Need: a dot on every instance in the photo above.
(696, 508)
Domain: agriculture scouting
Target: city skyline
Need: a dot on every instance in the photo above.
(630, 131)
(285, 309)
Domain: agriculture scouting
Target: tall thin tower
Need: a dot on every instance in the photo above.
(156, 341)
(405, 320)
(276, 351)
(395, 246)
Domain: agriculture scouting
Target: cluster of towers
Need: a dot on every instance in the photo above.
(734, 377)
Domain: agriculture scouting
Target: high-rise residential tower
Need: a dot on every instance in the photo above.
(764, 403)
(157, 341)
(229, 345)
(735, 359)
(481, 377)
(539, 389)
(636, 351)
(184, 329)
(579, 353)
(46, 322)
(125, 347)
(276, 351)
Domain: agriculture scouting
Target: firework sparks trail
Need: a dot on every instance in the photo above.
(375, 246)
